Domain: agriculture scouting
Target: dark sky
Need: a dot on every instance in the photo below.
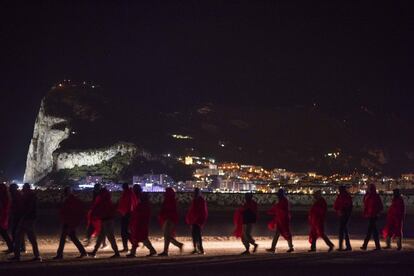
(261, 53)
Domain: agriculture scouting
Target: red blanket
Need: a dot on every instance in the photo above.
(395, 217)
(238, 217)
(72, 211)
(127, 202)
(281, 218)
(139, 223)
(4, 207)
(372, 203)
(169, 208)
(197, 214)
(342, 203)
(316, 218)
(103, 208)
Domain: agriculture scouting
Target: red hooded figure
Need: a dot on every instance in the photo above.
(103, 208)
(169, 208)
(4, 207)
(343, 203)
(127, 202)
(140, 219)
(245, 214)
(281, 219)
(372, 203)
(395, 217)
(316, 219)
(197, 214)
(72, 212)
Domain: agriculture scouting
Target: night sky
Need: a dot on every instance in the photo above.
(260, 53)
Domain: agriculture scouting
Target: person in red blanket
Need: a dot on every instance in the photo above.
(104, 210)
(27, 223)
(395, 218)
(125, 205)
(168, 219)
(317, 214)
(343, 207)
(72, 213)
(244, 218)
(5, 204)
(139, 225)
(372, 208)
(94, 224)
(16, 212)
(281, 221)
(197, 217)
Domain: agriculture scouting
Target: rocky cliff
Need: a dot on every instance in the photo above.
(49, 132)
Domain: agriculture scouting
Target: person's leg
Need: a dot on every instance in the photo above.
(15, 224)
(346, 234)
(166, 233)
(200, 239)
(313, 245)
(32, 238)
(290, 244)
(328, 242)
(19, 237)
(109, 225)
(245, 239)
(99, 240)
(6, 238)
(62, 241)
(124, 231)
(399, 242)
(369, 233)
(250, 239)
(76, 242)
(275, 240)
(342, 225)
(376, 235)
(387, 242)
(147, 243)
(194, 237)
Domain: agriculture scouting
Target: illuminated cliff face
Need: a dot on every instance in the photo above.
(48, 133)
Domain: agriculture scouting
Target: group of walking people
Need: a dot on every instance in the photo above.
(18, 215)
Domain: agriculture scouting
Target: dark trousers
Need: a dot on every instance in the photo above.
(26, 226)
(107, 231)
(6, 238)
(66, 231)
(343, 231)
(89, 232)
(124, 230)
(168, 229)
(197, 238)
(372, 231)
(247, 238)
(14, 225)
(325, 239)
(276, 238)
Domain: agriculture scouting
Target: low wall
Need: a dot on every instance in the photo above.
(52, 197)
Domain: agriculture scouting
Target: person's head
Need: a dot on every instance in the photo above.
(3, 189)
(26, 187)
(67, 191)
(396, 193)
(125, 186)
(342, 189)
(13, 188)
(248, 197)
(197, 192)
(137, 189)
(280, 193)
(317, 195)
(372, 189)
(97, 187)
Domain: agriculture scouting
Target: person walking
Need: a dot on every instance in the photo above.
(26, 224)
(395, 218)
(280, 222)
(125, 205)
(168, 219)
(94, 224)
(244, 219)
(72, 213)
(197, 217)
(4, 216)
(372, 208)
(317, 215)
(104, 210)
(139, 226)
(343, 207)
(16, 212)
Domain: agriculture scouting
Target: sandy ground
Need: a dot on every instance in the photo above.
(222, 252)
